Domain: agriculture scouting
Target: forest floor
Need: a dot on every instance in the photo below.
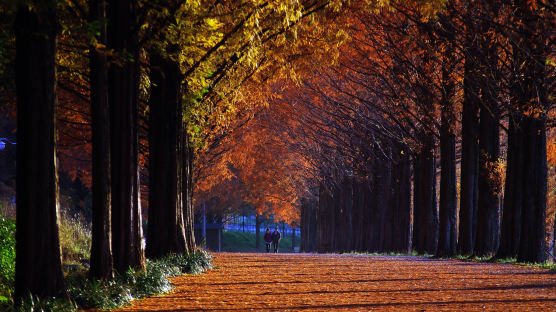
(310, 282)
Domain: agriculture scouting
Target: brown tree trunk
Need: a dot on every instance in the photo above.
(293, 239)
(469, 184)
(258, 222)
(312, 226)
(513, 194)
(488, 220)
(166, 231)
(532, 246)
(447, 234)
(325, 221)
(400, 201)
(101, 245)
(534, 28)
(347, 233)
(425, 225)
(127, 233)
(187, 195)
(488, 216)
(384, 217)
(38, 267)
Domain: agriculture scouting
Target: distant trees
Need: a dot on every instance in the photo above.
(456, 66)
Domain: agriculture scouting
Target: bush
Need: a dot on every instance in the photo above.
(134, 285)
(75, 238)
(7, 258)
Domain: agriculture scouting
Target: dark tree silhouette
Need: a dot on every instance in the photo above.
(38, 259)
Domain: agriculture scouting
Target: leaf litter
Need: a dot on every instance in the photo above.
(325, 282)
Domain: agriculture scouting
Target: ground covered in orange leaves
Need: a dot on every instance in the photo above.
(282, 282)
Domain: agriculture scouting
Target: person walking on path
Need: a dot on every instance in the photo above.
(276, 239)
(267, 239)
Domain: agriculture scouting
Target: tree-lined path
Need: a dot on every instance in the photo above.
(356, 283)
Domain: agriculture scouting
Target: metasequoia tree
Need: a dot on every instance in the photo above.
(101, 246)
(37, 199)
(123, 85)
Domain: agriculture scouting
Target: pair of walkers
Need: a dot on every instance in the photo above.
(272, 238)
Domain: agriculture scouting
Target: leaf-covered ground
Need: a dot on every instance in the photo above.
(281, 282)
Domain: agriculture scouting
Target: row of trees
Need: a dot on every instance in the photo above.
(143, 86)
(430, 93)
(153, 87)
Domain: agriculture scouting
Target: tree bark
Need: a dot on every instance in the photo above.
(513, 194)
(187, 194)
(425, 225)
(38, 267)
(258, 222)
(447, 234)
(348, 214)
(488, 217)
(293, 239)
(488, 220)
(325, 221)
(166, 231)
(400, 202)
(534, 28)
(101, 245)
(127, 233)
(469, 185)
(384, 217)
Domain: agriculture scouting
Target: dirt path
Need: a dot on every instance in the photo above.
(309, 282)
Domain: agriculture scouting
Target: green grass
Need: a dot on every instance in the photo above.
(7, 258)
(544, 265)
(245, 242)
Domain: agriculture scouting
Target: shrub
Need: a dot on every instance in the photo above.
(7, 258)
(133, 285)
(75, 238)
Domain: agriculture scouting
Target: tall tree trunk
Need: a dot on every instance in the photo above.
(447, 234)
(293, 239)
(325, 220)
(38, 267)
(425, 226)
(127, 232)
(187, 194)
(166, 231)
(534, 26)
(101, 245)
(312, 228)
(337, 210)
(304, 225)
(373, 213)
(513, 194)
(384, 217)
(469, 184)
(400, 201)
(532, 246)
(258, 222)
(358, 215)
(488, 217)
(348, 213)
(488, 220)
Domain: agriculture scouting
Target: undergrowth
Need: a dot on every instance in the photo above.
(75, 237)
(120, 291)
(7, 258)
(135, 284)
(543, 265)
